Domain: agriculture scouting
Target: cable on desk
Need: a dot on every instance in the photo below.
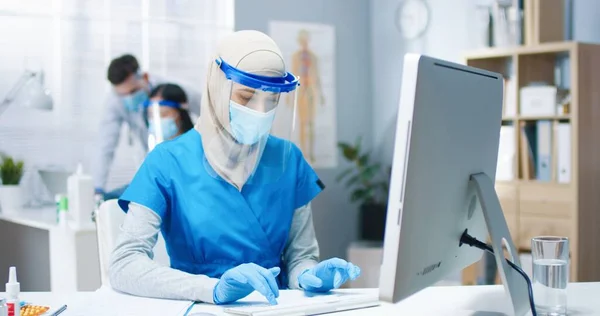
(474, 242)
(189, 309)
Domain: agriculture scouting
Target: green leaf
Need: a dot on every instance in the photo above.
(364, 194)
(358, 194)
(369, 172)
(363, 160)
(344, 174)
(351, 153)
(353, 180)
(348, 151)
(342, 145)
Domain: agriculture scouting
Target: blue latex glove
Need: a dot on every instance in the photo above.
(327, 275)
(238, 282)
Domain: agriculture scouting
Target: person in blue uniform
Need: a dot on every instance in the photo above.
(167, 114)
(231, 198)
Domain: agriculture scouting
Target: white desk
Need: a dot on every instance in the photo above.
(583, 299)
(48, 257)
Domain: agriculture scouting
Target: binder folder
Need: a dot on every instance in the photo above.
(563, 134)
(544, 151)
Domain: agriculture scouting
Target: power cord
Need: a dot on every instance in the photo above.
(474, 242)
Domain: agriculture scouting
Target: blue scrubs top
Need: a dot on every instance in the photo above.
(208, 225)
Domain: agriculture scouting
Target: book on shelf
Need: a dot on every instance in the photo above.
(510, 97)
(506, 154)
(544, 151)
(563, 150)
(527, 152)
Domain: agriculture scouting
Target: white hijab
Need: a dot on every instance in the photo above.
(249, 51)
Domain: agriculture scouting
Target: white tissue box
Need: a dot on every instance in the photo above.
(538, 100)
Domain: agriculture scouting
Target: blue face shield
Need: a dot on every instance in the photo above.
(135, 101)
(160, 128)
(256, 114)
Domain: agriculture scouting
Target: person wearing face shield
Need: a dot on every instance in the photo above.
(231, 199)
(130, 89)
(166, 114)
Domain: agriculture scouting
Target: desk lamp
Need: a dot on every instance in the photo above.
(29, 92)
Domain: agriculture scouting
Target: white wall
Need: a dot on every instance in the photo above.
(447, 37)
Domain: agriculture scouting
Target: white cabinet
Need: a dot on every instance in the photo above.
(48, 257)
(367, 255)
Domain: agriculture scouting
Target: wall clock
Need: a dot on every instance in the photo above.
(412, 18)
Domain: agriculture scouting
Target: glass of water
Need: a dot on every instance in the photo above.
(550, 274)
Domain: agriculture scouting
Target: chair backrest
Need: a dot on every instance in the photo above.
(109, 218)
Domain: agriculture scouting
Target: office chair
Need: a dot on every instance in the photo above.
(109, 218)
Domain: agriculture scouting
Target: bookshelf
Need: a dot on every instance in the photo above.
(553, 206)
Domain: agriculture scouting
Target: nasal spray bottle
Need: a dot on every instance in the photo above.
(13, 288)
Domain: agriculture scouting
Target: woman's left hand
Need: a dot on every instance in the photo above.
(327, 275)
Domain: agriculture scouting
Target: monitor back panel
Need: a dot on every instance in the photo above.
(448, 131)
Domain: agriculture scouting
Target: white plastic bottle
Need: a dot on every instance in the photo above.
(13, 289)
(80, 192)
(63, 209)
(3, 307)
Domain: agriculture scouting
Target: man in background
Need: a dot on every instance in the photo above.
(124, 105)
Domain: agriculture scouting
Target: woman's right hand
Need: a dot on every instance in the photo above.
(239, 282)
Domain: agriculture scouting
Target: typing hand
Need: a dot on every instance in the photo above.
(238, 282)
(327, 275)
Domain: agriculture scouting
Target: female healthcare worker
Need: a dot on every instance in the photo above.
(231, 200)
(166, 113)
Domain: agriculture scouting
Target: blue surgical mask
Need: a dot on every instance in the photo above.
(134, 101)
(168, 125)
(248, 125)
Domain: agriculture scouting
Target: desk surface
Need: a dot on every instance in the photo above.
(439, 300)
(42, 218)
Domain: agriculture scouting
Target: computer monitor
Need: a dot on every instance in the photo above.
(445, 156)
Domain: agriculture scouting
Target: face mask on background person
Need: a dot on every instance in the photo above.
(248, 125)
(168, 127)
(134, 101)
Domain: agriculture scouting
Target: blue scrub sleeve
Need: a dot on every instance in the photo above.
(149, 186)
(308, 185)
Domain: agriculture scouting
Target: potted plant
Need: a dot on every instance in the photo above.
(11, 172)
(369, 188)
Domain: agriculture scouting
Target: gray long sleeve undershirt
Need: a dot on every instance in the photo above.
(132, 268)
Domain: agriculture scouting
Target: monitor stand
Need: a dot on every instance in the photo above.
(514, 283)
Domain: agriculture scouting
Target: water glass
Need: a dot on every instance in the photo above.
(550, 274)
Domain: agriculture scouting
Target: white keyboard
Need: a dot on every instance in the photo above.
(309, 305)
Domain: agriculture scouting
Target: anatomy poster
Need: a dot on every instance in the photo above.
(309, 52)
